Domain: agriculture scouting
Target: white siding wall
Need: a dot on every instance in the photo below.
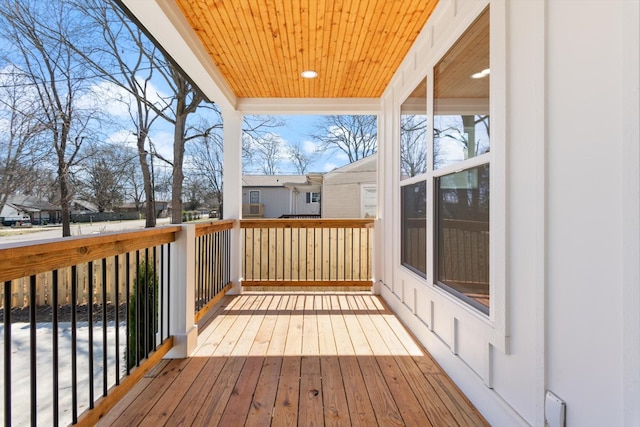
(341, 200)
(276, 200)
(567, 101)
(342, 189)
(304, 208)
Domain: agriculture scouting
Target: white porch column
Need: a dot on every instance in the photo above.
(232, 190)
(182, 293)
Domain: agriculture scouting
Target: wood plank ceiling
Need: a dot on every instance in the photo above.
(262, 46)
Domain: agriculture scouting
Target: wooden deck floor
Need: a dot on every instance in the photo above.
(306, 359)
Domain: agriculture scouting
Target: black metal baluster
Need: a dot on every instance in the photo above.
(161, 293)
(54, 325)
(74, 344)
(7, 352)
(199, 262)
(145, 306)
(90, 311)
(155, 280)
(227, 256)
(32, 349)
(136, 290)
(104, 327)
(208, 268)
(215, 264)
(216, 260)
(168, 290)
(116, 279)
(127, 291)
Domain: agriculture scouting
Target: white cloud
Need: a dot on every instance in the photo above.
(328, 167)
(309, 147)
(163, 143)
(115, 100)
(123, 137)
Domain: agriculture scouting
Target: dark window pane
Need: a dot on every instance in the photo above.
(414, 227)
(462, 228)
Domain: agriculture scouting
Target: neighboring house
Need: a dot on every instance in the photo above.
(350, 191)
(272, 196)
(83, 207)
(162, 208)
(19, 207)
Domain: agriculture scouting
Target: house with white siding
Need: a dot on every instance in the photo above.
(350, 191)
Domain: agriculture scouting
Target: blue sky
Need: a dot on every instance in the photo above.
(297, 130)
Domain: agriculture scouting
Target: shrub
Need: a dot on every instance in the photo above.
(142, 334)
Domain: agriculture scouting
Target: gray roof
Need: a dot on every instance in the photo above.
(31, 203)
(272, 180)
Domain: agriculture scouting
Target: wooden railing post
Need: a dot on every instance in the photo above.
(182, 293)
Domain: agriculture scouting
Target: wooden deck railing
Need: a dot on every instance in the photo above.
(95, 309)
(213, 264)
(84, 318)
(303, 252)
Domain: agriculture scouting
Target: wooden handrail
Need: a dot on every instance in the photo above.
(28, 258)
(204, 228)
(307, 223)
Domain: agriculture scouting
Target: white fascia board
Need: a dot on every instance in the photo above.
(309, 106)
(166, 23)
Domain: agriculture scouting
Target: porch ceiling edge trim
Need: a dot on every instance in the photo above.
(165, 23)
(309, 105)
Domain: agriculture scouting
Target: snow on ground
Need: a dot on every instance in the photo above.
(20, 362)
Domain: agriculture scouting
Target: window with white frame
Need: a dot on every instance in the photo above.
(413, 166)
(461, 167)
(368, 206)
(448, 188)
(313, 197)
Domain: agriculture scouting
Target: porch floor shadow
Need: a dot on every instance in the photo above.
(304, 358)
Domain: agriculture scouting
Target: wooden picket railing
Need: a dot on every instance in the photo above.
(307, 252)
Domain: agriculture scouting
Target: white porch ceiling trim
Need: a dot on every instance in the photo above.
(309, 105)
(165, 22)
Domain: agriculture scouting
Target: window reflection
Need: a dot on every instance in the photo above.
(414, 227)
(461, 98)
(462, 228)
(459, 137)
(413, 133)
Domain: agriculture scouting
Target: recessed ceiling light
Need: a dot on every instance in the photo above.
(481, 74)
(309, 74)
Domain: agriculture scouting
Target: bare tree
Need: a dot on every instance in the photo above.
(128, 60)
(355, 136)
(205, 158)
(33, 31)
(299, 158)
(103, 175)
(267, 152)
(413, 145)
(21, 145)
